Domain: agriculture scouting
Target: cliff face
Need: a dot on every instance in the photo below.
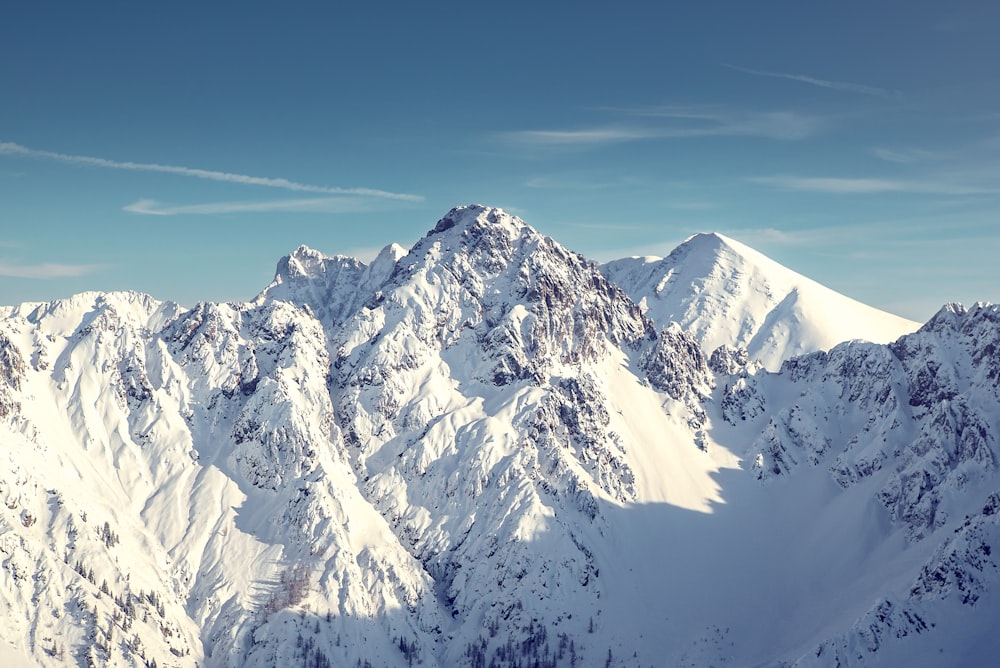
(482, 451)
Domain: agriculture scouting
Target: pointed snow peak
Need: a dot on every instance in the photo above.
(711, 246)
(390, 254)
(703, 239)
(727, 293)
(383, 265)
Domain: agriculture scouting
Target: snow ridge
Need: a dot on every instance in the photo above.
(481, 451)
(727, 293)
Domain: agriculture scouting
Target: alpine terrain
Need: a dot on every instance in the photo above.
(487, 450)
(725, 293)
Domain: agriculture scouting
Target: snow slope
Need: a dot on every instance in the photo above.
(481, 452)
(726, 293)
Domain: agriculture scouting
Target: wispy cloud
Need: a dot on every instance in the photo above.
(10, 148)
(47, 270)
(151, 207)
(691, 206)
(822, 83)
(574, 182)
(868, 186)
(585, 137)
(678, 123)
(904, 156)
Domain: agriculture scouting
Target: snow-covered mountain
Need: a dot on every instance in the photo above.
(481, 451)
(723, 292)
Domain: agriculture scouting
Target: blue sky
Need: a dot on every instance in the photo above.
(180, 149)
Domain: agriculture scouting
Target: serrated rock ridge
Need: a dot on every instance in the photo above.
(482, 451)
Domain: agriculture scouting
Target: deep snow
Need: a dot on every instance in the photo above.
(481, 450)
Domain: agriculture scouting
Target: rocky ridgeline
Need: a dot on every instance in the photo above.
(414, 460)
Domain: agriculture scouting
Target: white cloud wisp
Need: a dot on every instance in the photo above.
(46, 270)
(822, 83)
(686, 123)
(861, 186)
(10, 148)
(151, 207)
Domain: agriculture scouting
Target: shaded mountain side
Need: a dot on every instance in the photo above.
(481, 451)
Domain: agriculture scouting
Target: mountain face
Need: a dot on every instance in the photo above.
(725, 293)
(481, 451)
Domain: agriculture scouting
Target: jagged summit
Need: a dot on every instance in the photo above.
(477, 214)
(478, 231)
(303, 261)
(331, 286)
(726, 293)
(954, 315)
(719, 289)
(481, 452)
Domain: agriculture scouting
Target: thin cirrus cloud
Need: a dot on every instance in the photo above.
(862, 186)
(822, 83)
(46, 270)
(151, 207)
(904, 156)
(560, 182)
(585, 137)
(10, 148)
(677, 123)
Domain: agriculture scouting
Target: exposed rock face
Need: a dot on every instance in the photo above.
(479, 451)
(917, 414)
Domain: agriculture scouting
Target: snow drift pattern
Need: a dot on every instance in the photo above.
(481, 451)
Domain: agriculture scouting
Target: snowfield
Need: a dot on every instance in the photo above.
(725, 293)
(486, 450)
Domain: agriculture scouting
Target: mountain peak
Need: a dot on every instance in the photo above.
(713, 245)
(727, 293)
(706, 239)
(303, 261)
(472, 215)
(478, 452)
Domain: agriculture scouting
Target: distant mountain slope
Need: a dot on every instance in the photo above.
(724, 292)
(913, 430)
(480, 452)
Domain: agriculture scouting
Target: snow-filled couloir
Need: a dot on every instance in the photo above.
(481, 451)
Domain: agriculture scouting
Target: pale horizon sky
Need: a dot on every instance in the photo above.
(182, 149)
